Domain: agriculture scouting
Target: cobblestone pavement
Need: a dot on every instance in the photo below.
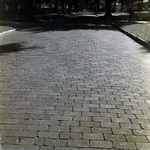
(79, 89)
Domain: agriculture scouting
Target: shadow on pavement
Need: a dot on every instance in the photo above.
(13, 47)
(66, 23)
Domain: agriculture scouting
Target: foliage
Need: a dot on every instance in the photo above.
(30, 7)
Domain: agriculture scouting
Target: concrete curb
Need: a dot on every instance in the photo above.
(134, 37)
(8, 31)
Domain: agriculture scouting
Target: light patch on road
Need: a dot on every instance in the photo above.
(7, 31)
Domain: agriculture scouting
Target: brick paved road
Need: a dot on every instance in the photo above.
(74, 90)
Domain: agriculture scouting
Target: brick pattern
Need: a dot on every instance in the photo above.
(74, 90)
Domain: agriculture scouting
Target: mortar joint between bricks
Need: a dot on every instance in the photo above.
(141, 126)
(111, 131)
(142, 112)
(125, 137)
(37, 135)
(111, 120)
(70, 130)
(90, 109)
(104, 136)
(132, 131)
(90, 143)
(54, 108)
(80, 123)
(92, 118)
(91, 129)
(44, 112)
(119, 124)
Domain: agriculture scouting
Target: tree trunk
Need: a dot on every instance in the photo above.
(56, 5)
(69, 7)
(29, 9)
(98, 5)
(2, 6)
(108, 8)
(63, 7)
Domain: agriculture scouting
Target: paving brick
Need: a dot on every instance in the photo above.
(101, 144)
(122, 131)
(93, 136)
(53, 135)
(15, 127)
(76, 136)
(78, 143)
(91, 105)
(46, 148)
(120, 120)
(124, 145)
(39, 141)
(89, 114)
(90, 124)
(132, 138)
(81, 129)
(66, 148)
(145, 126)
(13, 147)
(59, 128)
(82, 118)
(69, 123)
(141, 132)
(81, 109)
(148, 137)
(110, 125)
(98, 109)
(101, 130)
(54, 142)
(37, 127)
(101, 119)
(64, 135)
(8, 140)
(25, 133)
(115, 138)
(130, 126)
(69, 113)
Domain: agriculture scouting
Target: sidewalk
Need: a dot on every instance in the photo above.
(9, 26)
(137, 30)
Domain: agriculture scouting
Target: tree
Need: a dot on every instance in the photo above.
(69, 6)
(108, 8)
(2, 6)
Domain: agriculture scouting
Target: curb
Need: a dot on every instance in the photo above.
(8, 31)
(134, 37)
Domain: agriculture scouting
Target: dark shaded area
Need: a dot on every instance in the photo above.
(66, 23)
(14, 47)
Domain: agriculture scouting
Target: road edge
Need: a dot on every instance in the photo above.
(134, 37)
(7, 31)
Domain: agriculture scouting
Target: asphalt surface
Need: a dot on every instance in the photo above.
(73, 87)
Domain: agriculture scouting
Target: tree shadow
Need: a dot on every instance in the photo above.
(67, 23)
(14, 48)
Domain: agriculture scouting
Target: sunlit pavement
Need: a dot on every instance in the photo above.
(75, 89)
